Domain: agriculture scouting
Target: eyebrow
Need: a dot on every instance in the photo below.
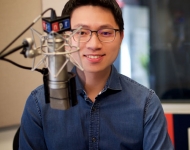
(100, 27)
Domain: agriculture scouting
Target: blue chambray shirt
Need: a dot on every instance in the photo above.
(124, 116)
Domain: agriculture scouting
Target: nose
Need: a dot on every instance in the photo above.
(94, 43)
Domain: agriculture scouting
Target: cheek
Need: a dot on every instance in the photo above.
(113, 52)
(74, 54)
(114, 48)
(77, 44)
(114, 55)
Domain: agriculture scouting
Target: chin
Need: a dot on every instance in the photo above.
(95, 69)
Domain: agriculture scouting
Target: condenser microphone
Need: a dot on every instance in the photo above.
(61, 83)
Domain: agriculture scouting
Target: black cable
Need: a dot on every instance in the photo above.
(24, 31)
(20, 66)
(13, 50)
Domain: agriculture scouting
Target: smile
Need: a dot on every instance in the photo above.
(93, 57)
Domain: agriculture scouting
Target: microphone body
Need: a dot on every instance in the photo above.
(62, 87)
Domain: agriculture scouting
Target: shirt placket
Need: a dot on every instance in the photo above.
(94, 127)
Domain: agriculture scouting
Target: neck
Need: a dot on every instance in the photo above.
(94, 82)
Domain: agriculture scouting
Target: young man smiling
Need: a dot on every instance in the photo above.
(96, 56)
(113, 111)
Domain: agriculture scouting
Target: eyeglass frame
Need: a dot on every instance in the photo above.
(96, 31)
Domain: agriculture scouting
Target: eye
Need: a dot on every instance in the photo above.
(106, 32)
(83, 33)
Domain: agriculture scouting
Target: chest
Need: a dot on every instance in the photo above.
(95, 126)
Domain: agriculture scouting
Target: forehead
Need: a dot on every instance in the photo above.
(92, 17)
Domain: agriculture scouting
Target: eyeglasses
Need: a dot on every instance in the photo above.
(104, 35)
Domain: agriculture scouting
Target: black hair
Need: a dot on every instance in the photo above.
(112, 5)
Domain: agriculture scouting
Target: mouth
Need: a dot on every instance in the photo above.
(95, 58)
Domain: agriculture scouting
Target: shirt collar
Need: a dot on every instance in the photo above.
(79, 86)
(112, 83)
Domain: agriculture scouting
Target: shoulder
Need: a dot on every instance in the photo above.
(131, 85)
(130, 89)
(137, 92)
(37, 97)
(38, 91)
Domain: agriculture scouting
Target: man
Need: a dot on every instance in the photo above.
(113, 111)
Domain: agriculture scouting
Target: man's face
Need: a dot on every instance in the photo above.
(96, 56)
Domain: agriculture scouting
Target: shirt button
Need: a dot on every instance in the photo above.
(93, 109)
(93, 139)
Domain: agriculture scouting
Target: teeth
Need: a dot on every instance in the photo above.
(93, 57)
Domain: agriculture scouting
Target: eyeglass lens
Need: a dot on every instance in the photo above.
(104, 35)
